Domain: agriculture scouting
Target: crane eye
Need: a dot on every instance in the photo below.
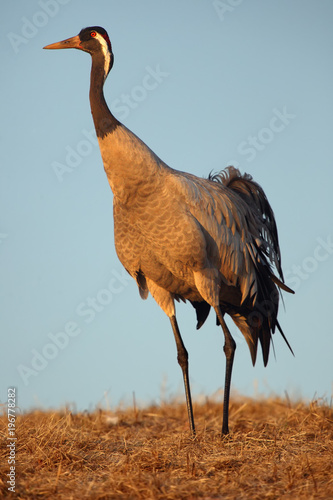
(93, 34)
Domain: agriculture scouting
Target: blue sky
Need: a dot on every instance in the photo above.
(205, 84)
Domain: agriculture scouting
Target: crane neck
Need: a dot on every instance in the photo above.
(104, 120)
(129, 164)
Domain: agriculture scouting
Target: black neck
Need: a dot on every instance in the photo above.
(104, 121)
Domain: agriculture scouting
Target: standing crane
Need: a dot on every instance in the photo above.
(213, 241)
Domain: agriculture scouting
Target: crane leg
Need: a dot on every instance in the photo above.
(229, 351)
(182, 357)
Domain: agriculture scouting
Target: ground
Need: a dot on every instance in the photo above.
(277, 449)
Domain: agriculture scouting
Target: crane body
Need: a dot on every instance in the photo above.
(211, 241)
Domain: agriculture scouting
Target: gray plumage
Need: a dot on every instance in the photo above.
(213, 241)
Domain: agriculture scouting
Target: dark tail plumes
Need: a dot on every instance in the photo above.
(257, 319)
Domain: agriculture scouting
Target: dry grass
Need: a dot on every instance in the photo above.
(276, 449)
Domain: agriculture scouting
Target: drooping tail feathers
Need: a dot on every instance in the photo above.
(258, 320)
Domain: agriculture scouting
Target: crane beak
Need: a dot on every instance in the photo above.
(69, 43)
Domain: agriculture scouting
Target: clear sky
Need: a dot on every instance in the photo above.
(205, 84)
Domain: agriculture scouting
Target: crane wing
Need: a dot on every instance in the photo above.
(237, 219)
(228, 226)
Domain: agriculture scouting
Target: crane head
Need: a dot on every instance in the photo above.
(93, 40)
(89, 39)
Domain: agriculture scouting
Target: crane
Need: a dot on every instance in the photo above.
(210, 241)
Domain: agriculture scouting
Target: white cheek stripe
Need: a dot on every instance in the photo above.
(106, 52)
